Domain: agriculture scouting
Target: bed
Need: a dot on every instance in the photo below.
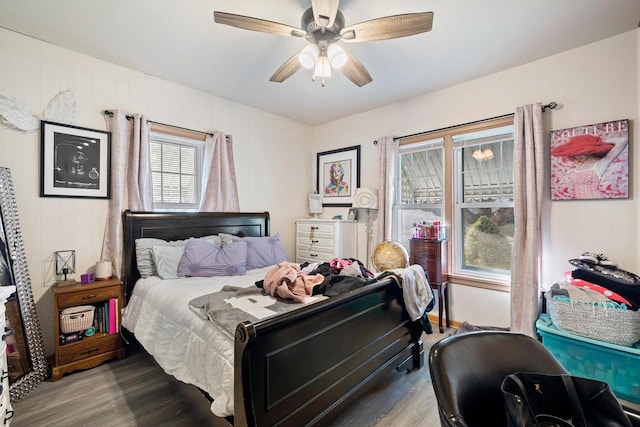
(298, 368)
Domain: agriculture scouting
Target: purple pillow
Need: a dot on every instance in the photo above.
(204, 259)
(264, 251)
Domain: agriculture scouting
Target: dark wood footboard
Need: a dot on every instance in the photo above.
(304, 367)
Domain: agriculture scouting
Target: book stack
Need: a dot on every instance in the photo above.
(105, 321)
(105, 318)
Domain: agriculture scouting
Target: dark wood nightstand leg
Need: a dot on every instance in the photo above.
(440, 308)
(446, 302)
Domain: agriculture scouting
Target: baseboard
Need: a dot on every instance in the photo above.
(433, 318)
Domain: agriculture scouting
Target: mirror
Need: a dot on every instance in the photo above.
(26, 356)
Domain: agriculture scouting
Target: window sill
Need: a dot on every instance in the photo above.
(477, 282)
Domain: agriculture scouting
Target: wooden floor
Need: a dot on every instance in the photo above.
(135, 392)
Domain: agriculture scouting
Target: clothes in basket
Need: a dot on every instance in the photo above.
(589, 314)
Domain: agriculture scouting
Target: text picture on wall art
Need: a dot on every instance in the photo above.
(590, 162)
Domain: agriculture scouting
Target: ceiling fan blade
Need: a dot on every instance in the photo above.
(324, 11)
(287, 69)
(257, 24)
(388, 27)
(355, 71)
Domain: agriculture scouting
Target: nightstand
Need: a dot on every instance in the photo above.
(431, 255)
(89, 351)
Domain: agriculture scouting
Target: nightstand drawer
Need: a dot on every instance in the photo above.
(88, 296)
(90, 346)
(315, 242)
(316, 228)
(313, 255)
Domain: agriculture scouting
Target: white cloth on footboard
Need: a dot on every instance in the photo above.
(184, 344)
(416, 290)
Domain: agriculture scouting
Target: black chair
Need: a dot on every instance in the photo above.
(467, 371)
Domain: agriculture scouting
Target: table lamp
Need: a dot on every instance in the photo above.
(65, 265)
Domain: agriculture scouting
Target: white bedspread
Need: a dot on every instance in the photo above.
(184, 344)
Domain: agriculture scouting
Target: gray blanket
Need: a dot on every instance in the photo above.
(233, 305)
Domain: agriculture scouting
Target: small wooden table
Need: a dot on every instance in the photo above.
(431, 255)
(91, 350)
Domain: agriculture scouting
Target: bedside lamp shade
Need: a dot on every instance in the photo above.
(365, 198)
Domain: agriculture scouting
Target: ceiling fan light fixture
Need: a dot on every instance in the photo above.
(323, 67)
(309, 56)
(337, 56)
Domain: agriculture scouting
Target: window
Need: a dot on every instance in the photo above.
(421, 184)
(176, 171)
(462, 176)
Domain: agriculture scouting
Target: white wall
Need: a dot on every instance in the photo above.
(34, 71)
(594, 83)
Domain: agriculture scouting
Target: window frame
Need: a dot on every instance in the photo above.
(183, 138)
(455, 246)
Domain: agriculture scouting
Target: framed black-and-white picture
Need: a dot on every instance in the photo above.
(338, 176)
(74, 161)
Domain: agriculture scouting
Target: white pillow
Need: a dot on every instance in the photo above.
(166, 260)
(144, 255)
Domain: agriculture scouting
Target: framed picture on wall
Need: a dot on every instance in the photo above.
(74, 161)
(338, 176)
(590, 162)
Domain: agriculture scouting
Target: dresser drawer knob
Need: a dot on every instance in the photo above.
(314, 228)
(313, 255)
(90, 350)
(314, 241)
(89, 296)
(8, 415)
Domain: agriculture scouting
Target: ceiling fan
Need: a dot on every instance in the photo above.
(323, 26)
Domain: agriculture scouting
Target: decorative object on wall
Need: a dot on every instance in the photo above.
(315, 204)
(16, 114)
(323, 26)
(62, 108)
(75, 161)
(590, 162)
(28, 366)
(65, 265)
(338, 175)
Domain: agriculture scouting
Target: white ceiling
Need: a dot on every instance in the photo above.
(178, 41)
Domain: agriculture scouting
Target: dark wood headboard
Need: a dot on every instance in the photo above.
(182, 225)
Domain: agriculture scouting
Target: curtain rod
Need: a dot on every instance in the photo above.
(550, 106)
(110, 113)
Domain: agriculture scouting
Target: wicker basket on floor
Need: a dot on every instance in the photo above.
(595, 321)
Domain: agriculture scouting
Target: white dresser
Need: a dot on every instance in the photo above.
(319, 240)
(6, 410)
